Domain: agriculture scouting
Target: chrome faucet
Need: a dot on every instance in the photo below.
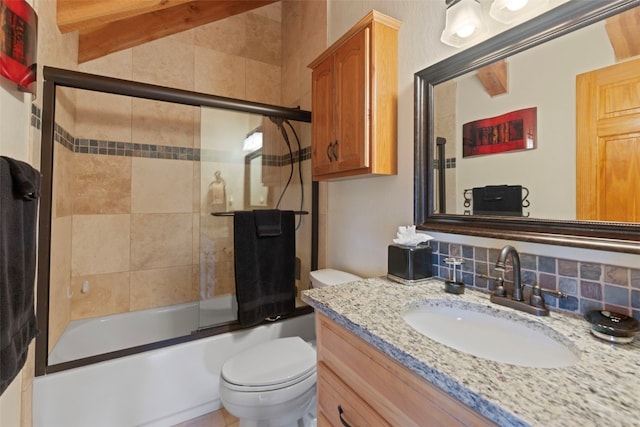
(517, 277)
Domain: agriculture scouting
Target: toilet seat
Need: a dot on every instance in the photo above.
(272, 365)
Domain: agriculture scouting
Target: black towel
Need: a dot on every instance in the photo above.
(19, 191)
(264, 264)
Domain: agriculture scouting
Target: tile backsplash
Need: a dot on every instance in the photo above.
(587, 285)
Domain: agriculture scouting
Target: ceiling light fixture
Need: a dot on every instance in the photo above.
(464, 23)
(515, 11)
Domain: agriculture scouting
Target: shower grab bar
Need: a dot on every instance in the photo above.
(232, 213)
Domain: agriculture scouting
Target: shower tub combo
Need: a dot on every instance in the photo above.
(158, 388)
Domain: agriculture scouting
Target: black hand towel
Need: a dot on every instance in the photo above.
(268, 222)
(264, 265)
(19, 190)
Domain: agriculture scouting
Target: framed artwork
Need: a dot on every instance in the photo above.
(509, 132)
(18, 41)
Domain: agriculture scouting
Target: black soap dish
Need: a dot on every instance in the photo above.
(611, 326)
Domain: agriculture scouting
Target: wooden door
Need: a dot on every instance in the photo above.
(608, 143)
(352, 98)
(323, 135)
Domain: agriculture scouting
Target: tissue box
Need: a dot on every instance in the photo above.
(410, 262)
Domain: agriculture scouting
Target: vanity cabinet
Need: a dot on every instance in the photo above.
(354, 102)
(358, 385)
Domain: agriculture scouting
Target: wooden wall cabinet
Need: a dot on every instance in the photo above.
(354, 102)
(358, 385)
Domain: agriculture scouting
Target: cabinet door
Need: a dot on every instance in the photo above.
(323, 118)
(352, 92)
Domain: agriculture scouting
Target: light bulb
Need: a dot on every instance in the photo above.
(466, 30)
(514, 5)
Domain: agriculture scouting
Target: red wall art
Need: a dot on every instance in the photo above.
(509, 132)
(18, 39)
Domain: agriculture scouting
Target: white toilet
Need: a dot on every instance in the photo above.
(273, 384)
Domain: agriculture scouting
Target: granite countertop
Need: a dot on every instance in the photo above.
(601, 389)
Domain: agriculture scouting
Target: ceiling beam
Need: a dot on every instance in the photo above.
(75, 15)
(125, 33)
(624, 33)
(494, 78)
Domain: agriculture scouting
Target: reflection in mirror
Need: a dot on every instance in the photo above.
(580, 165)
(542, 78)
(255, 191)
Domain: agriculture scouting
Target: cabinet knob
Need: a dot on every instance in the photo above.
(335, 151)
(340, 412)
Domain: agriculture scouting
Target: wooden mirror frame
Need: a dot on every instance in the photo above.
(568, 17)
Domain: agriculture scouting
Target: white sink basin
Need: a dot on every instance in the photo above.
(492, 334)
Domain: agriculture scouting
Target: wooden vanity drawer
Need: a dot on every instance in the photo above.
(396, 394)
(334, 395)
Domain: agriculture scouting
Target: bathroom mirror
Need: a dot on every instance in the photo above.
(256, 194)
(450, 94)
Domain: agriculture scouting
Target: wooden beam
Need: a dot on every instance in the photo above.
(125, 33)
(494, 78)
(624, 33)
(75, 15)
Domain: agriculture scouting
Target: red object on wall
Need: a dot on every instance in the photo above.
(511, 131)
(18, 41)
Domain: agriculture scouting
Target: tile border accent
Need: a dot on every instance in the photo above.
(588, 285)
(153, 151)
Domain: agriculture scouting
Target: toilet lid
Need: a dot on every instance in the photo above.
(273, 362)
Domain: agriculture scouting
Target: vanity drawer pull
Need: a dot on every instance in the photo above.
(340, 412)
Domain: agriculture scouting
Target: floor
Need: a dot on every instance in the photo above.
(220, 418)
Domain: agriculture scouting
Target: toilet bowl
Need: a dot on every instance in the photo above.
(273, 384)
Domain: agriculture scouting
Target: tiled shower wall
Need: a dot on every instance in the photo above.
(134, 237)
(587, 285)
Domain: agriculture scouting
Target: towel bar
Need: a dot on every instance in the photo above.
(231, 213)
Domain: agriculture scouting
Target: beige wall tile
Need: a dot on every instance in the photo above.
(103, 116)
(226, 36)
(196, 188)
(100, 115)
(271, 11)
(100, 244)
(62, 197)
(118, 65)
(219, 73)
(161, 240)
(263, 39)
(196, 238)
(167, 61)
(59, 278)
(108, 294)
(161, 186)
(102, 184)
(160, 287)
(162, 123)
(263, 82)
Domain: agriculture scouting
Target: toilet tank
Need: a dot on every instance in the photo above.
(329, 277)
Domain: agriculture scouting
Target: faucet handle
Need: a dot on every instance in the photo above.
(538, 290)
(498, 288)
(536, 299)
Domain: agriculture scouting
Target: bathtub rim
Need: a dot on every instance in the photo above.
(200, 334)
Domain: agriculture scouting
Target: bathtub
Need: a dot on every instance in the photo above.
(158, 388)
(89, 337)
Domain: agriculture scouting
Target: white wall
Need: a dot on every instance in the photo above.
(543, 77)
(363, 214)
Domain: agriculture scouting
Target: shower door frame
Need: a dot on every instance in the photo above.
(56, 77)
